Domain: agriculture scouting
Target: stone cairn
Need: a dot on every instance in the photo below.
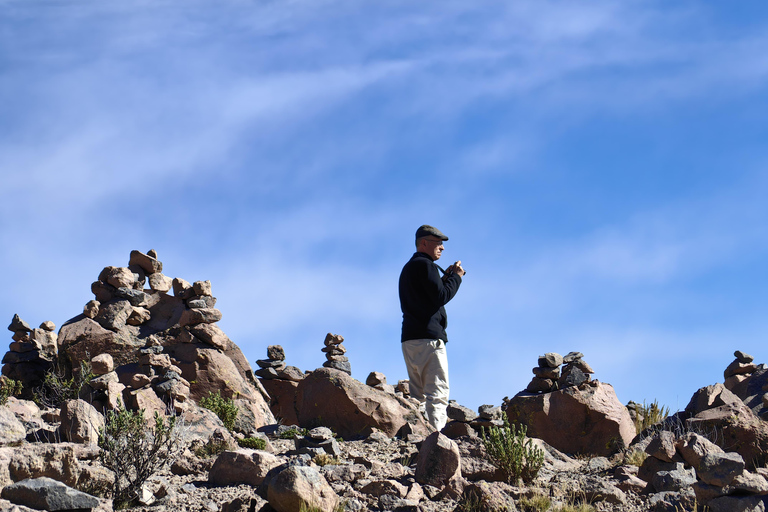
(739, 370)
(31, 354)
(273, 367)
(548, 376)
(334, 353)
(465, 422)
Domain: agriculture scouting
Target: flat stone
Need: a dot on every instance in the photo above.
(344, 366)
(290, 373)
(742, 357)
(546, 372)
(48, 494)
(269, 363)
(48, 326)
(199, 316)
(572, 356)
(333, 339)
(149, 264)
(17, 324)
(460, 413)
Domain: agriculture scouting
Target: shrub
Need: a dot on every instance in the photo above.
(57, 389)
(292, 432)
(538, 503)
(510, 450)
(9, 387)
(224, 408)
(649, 415)
(324, 459)
(635, 457)
(135, 451)
(255, 443)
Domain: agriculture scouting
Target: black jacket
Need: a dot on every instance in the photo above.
(422, 296)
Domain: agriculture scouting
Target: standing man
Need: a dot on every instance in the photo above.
(423, 293)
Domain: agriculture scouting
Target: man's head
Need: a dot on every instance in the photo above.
(429, 240)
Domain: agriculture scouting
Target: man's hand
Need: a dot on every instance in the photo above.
(456, 269)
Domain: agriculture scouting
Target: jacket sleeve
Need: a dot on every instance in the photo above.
(439, 291)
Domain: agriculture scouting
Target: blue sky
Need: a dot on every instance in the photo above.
(599, 167)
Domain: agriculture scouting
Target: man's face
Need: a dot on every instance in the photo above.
(432, 246)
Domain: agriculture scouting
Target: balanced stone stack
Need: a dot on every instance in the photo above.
(739, 370)
(465, 422)
(549, 377)
(274, 367)
(30, 355)
(334, 353)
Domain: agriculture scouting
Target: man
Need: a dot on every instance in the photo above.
(423, 293)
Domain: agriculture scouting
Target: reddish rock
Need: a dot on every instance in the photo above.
(301, 486)
(334, 399)
(202, 288)
(578, 419)
(147, 263)
(709, 397)
(282, 399)
(80, 422)
(117, 277)
(91, 309)
(160, 283)
(439, 461)
(199, 316)
(739, 430)
(241, 467)
(82, 338)
(212, 335)
(102, 364)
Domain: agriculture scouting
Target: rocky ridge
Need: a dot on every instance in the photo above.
(152, 343)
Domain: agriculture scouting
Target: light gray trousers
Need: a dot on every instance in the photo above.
(427, 363)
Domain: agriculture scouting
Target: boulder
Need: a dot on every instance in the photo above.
(739, 430)
(710, 397)
(334, 399)
(439, 461)
(80, 422)
(692, 447)
(48, 494)
(737, 504)
(241, 467)
(301, 486)
(57, 461)
(578, 419)
(11, 429)
(720, 469)
(282, 400)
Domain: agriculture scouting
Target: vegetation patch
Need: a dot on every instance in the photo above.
(9, 387)
(509, 449)
(223, 407)
(255, 443)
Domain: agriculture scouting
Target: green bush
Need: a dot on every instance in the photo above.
(513, 452)
(255, 443)
(649, 415)
(9, 387)
(224, 408)
(292, 432)
(57, 389)
(135, 450)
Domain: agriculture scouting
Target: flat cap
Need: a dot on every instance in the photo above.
(427, 230)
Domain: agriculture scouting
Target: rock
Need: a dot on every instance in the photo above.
(738, 429)
(160, 283)
(241, 467)
(48, 326)
(181, 288)
(584, 419)
(138, 316)
(343, 366)
(693, 447)
(102, 364)
(334, 399)
(599, 489)
(211, 334)
(11, 429)
(489, 412)
(742, 357)
(58, 461)
(547, 373)
(710, 397)
(720, 468)
(301, 486)
(455, 429)
(460, 413)
(539, 385)
(737, 504)
(673, 480)
(570, 357)
(91, 308)
(375, 379)
(148, 264)
(80, 422)
(202, 288)
(291, 373)
(276, 352)
(379, 488)
(751, 483)
(439, 461)
(19, 325)
(144, 398)
(662, 446)
(550, 360)
(572, 376)
(48, 494)
(119, 277)
(489, 496)
(283, 400)
(135, 297)
(114, 315)
(739, 368)
(251, 415)
(199, 316)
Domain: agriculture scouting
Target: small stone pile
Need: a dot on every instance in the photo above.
(334, 353)
(548, 376)
(318, 441)
(739, 370)
(30, 354)
(273, 367)
(465, 422)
